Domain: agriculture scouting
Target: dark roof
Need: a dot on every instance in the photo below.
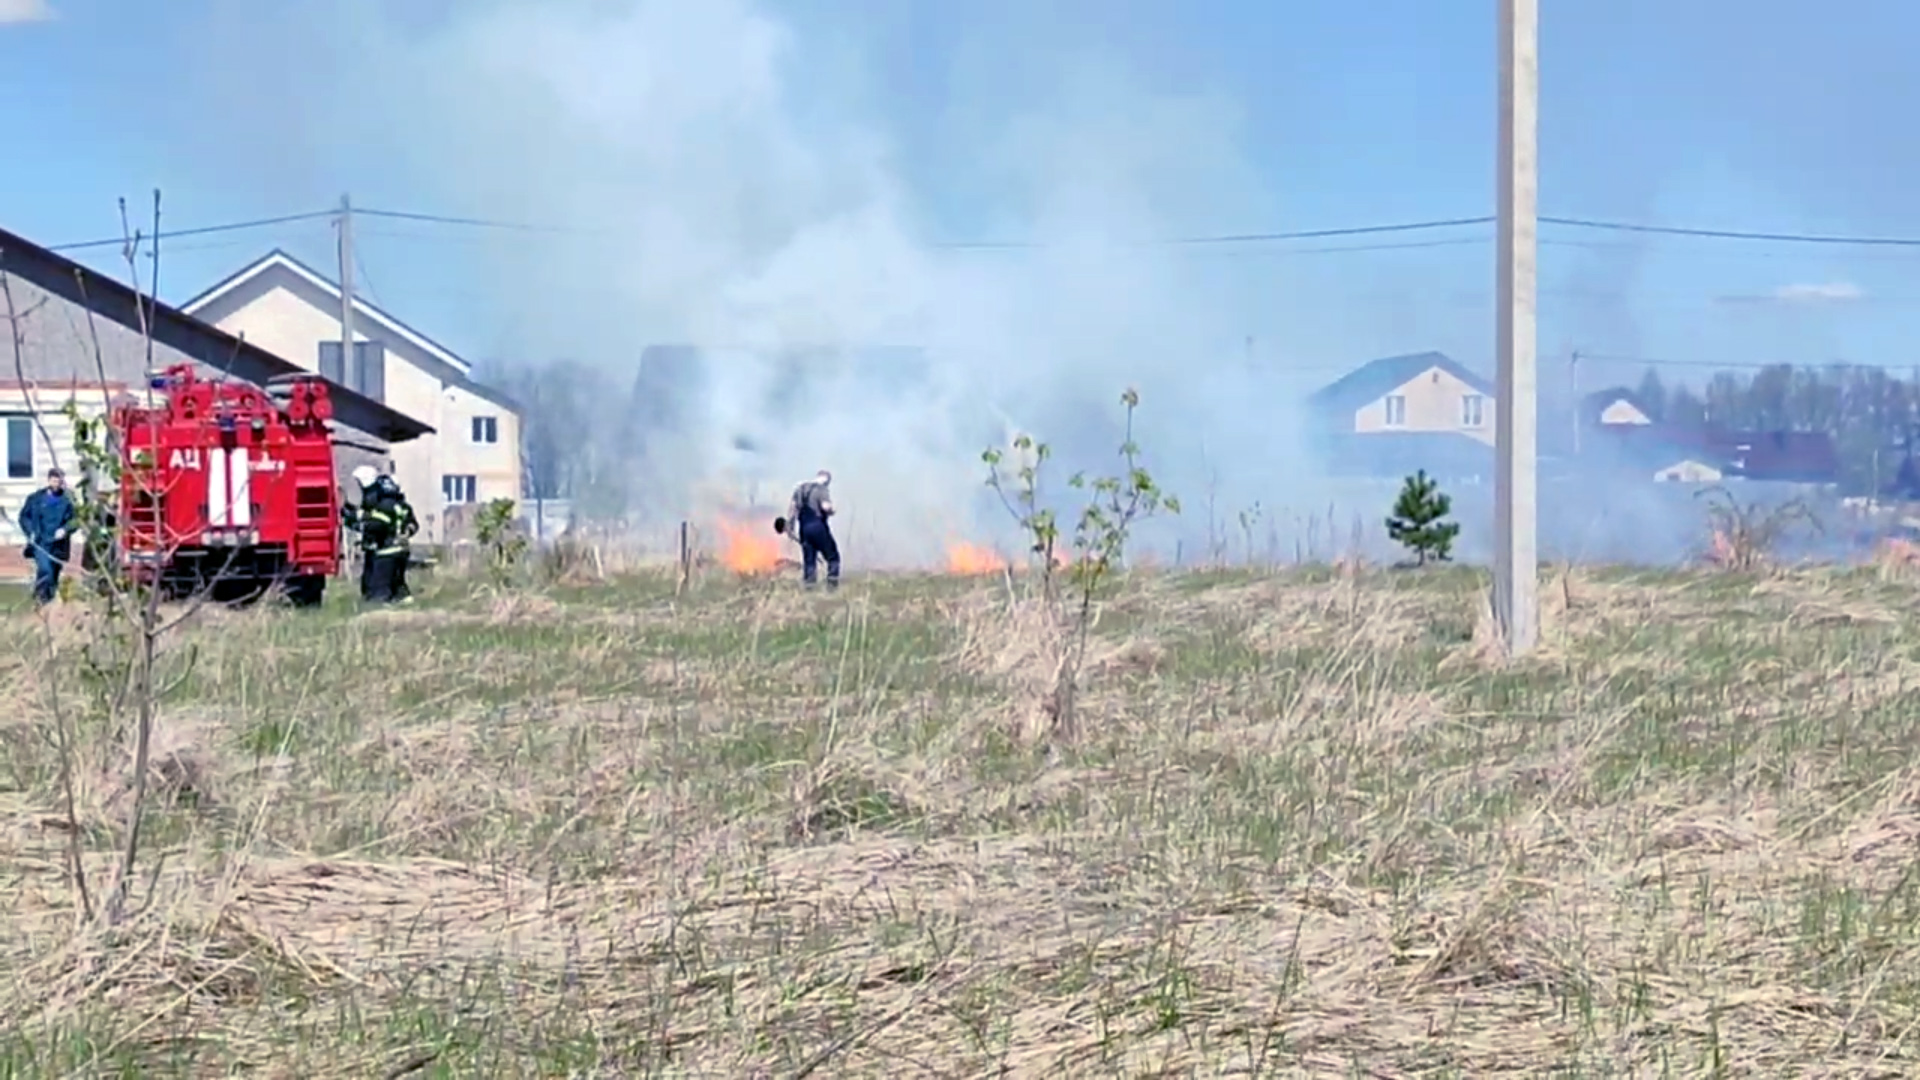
(115, 300)
(1373, 380)
(453, 377)
(1651, 447)
(1803, 457)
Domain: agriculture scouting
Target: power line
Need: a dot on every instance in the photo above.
(480, 223)
(1736, 234)
(1194, 240)
(361, 267)
(1223, 238)
(1336, 249)
(257, 223)
(1314, 234)
(1248, 237)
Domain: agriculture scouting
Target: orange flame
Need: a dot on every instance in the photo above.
(745, 551)
(1900, 552)
(965, 558)
(1720, 550)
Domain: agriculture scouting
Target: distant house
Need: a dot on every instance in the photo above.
(1617, 407)
(79, 340)
(293, 310)
(1708, 454)
(1401, 413)
(1689, 469)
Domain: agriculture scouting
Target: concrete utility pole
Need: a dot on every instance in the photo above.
(349, 376)
(1516, 476)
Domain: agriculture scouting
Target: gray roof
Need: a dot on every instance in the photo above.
(450, 375)
(117, 302)
(1371, 381)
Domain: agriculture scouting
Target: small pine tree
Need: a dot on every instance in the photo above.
(1418, 522)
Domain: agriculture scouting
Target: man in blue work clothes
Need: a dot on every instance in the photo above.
(809, 511)
(47, 521)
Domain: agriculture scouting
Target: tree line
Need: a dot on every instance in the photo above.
(1871, 415)
(579, 441)
(572, 427)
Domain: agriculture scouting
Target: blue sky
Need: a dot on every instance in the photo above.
(1222, 116)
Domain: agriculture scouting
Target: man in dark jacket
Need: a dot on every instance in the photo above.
(46, 519)
(809, 510)
(386, 523)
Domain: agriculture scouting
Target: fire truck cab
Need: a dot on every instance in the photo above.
(228, 488)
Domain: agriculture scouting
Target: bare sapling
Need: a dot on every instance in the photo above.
(1745, 536)
(120, 661)
(1095, 550)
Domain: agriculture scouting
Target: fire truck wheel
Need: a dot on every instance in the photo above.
(306, 590)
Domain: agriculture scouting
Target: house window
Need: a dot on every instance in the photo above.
(368, 374)
(1473, 410)
(459, 489)
(1396, 410)
(19, 447)
(486, 429)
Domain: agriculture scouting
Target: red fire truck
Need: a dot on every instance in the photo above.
(228, 487)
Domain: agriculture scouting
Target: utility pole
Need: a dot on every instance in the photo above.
(1516, 510)
(348, 375)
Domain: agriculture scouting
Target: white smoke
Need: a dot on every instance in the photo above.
(719, 177)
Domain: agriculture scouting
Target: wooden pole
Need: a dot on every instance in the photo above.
(686, 558)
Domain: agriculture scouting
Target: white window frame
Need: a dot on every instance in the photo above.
(453, 485)
(1473, 410)
(484, 430)
(1396, 410)
(25, 421)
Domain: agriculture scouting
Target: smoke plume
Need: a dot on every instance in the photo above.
(704, 172)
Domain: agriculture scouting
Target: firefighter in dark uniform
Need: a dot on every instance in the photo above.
(385, 522)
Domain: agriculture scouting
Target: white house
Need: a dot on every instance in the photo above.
(292, 310)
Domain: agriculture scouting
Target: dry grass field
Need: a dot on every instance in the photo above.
(1307, 826)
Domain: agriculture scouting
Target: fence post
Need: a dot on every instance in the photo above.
(686, 559)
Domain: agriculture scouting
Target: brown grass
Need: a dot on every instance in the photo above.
(1309, 825)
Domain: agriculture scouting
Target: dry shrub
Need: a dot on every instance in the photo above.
(572, 560)
(1744, 535)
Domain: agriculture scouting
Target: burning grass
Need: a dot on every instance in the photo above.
(748, 549)
(1308, 828)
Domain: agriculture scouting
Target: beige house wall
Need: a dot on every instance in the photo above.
(284, 322)
(1433, 401)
